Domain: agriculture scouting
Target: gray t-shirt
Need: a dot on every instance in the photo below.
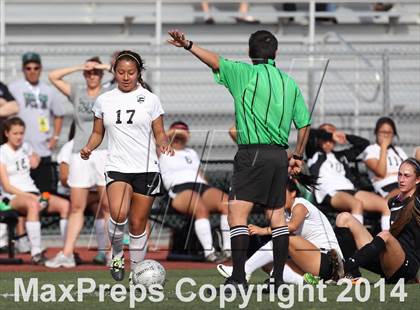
(37, 105)
(83, 116)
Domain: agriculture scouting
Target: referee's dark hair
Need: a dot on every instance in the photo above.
(385, 120)
(262, 46)
(131, 56)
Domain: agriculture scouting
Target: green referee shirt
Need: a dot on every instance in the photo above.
(267, 101)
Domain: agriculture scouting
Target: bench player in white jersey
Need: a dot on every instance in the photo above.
(16, 160)
(191, 194)
(384, 158)
(313, 248)
(133, 120)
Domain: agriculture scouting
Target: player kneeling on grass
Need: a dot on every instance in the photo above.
(313, 248)
(16, 160)
(393, 254)
(335, 185)
(132, 116)
(191, 194)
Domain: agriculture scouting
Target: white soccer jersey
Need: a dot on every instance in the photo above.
(316, 228)
(393, 162)
(331, 173)
(128, 120)
(180, 168)
(18, 166)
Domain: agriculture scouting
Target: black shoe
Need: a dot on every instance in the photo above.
(77, 258)
(229, 291)
(271, 285)
(4, 249)
(39, 259)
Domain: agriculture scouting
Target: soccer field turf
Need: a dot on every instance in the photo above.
(172, 301)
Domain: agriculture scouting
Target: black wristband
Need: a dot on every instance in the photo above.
(298, 157)
(189, 46)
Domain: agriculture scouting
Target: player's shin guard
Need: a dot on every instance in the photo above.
(239, 239)
(116, 235)
(365, 255)
(138, 248)
(280, 238)
(101, 237)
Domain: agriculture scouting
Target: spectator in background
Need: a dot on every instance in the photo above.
(243, 12)
(38, 102)
(8, 106)
(335, 185)
(83, 174)
(383, 158)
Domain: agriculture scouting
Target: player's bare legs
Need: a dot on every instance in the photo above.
(343, 201)
(360, 233)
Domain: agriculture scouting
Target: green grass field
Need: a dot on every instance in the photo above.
(172, 302)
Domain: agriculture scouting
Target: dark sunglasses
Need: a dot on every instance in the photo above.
(37, 68)
(92, 72)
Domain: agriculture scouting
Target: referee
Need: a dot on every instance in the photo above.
(267, 101)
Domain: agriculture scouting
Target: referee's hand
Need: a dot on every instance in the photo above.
(85, 153)
(177, 38)
(295, 166)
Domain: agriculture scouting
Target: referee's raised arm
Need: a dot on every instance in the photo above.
(209, 58)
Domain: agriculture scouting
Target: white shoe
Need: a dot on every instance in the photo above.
(226, 271)
(61, 260)
(23, 245)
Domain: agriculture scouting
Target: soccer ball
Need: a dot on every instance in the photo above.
(149, 272)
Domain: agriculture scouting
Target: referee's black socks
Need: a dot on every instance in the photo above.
(239, 241)
(280, 239)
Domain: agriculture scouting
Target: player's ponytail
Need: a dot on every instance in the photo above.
(132, 56)
(300, 182)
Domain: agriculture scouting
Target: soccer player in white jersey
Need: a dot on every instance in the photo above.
(384, 158)
(313, 248)
(16, 160)
(191, 194)
(133, 119)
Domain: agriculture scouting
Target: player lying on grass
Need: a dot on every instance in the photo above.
(335, 186)
(393, 254)
(191, 194)
(313, 248)
(16, 160)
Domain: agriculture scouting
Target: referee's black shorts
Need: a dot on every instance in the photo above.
(260, 175)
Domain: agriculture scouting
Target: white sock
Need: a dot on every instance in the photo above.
(138, 248)
(3, 235)
(203, 230)
(262, 257)
(101, 236)
(116, 235)
(33, 230)
(224, 227)
(385, 222)
(291, 276)
(358, 217)
(63, 229)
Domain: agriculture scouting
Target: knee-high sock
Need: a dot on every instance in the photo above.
(385, 222)
(365, 254)
(138, 248)
(63, 229)
(280, 238)
(224, 227)
(116, 235)
(33, 230)
(101, 236)
(260, 258)
(239, 239)
(346, 241)
(203, 230)
(291, 276)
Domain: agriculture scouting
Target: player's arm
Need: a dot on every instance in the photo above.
(5, 182)
(95, 138)
(299, 213)
(178, 39)
(161, 138)
(34, 160)
(257, 230)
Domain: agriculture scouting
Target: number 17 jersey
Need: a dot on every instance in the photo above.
(128, 118)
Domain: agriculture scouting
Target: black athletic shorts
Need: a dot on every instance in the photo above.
(148, 183)
(325, 267)
(327, 199)
(45, 175)
(260, 175)
(199, 188)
